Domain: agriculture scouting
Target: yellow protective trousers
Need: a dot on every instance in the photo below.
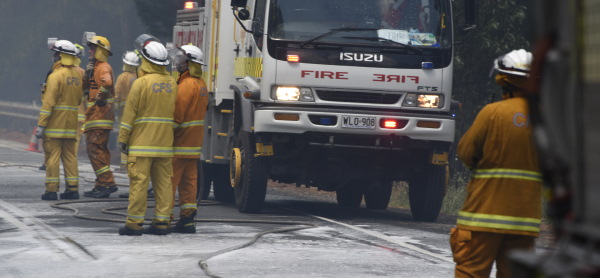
(185, 173)
(55, 150)
(475, 252)
(141, 170)
(97, 149)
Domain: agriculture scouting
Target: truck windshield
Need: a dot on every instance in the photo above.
(423, 23)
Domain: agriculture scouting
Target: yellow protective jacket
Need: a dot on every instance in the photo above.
(101, 88)
(81, 107)
(59, 104)
(190, 109)
(122, 87)
(504, 194)
(147, 124)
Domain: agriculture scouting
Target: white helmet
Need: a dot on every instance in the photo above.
(64, 46)
(516, 62)
(193, 53)
(130, 58)
(79, 50)
(156, 53)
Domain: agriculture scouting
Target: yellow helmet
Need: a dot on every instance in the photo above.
(101, 42)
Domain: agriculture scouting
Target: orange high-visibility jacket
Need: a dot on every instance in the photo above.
(97, 117)
(122, 87)
(504, 194)
(59, 105)
(147, 124)
(190, 109)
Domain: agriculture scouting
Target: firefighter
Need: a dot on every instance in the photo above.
(147, 137)
(190, 109)
(503, 207)
(58, 122)
(99, 116)
(130, 63)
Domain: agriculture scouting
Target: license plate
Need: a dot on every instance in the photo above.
(358, 122)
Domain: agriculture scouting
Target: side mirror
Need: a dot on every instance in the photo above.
(239, 3)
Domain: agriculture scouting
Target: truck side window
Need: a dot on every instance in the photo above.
(258, 22)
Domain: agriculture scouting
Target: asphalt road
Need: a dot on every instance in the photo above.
(294, 236)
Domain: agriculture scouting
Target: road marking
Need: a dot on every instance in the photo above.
(43, 233)
(386, 238)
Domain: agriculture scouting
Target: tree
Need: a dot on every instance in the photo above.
(502, 25)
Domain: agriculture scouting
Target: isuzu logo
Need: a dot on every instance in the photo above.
(361, 57)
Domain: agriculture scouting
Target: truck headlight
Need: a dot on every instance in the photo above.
(293, 94)
(423, 101)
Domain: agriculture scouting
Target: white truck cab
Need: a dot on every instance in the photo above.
(344, 95)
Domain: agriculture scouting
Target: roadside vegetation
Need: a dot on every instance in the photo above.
(453, 201)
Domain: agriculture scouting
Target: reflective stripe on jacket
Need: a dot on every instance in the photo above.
(147, 124)
(100, 117)
(59, 107)
(504, 194)
(190, 110)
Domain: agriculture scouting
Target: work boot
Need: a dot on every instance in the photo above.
(49, 196)
(90, 193)
(156, 231)
(69, 195)
(185, 228)
(104, 192)
(43, 167)
(126, 231)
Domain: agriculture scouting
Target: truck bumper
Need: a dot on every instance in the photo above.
(307, 120)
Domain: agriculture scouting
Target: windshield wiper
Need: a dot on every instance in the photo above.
(388, 41)
(334, 31)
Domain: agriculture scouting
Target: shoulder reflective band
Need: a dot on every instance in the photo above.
(499, 221)
(499, 173)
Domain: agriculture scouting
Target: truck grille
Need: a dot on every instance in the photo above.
(360, 97)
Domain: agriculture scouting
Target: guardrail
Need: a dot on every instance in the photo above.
(18, 116)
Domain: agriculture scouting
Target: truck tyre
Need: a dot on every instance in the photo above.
(378, 196)
(221, 184)
(350, 196)
(426, 192)
(204, 180)
(251, 190)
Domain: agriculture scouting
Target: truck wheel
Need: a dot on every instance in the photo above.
(378, 195)
(221, 185)
(251, 172)
(350, 196)
(204, 180)
(426, 192)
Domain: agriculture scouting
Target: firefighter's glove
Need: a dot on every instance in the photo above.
(100, 103)
(39, 132)
(123, 148)
(90, 65)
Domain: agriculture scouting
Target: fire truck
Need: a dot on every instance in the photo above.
(563, 99)
(343, 95)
